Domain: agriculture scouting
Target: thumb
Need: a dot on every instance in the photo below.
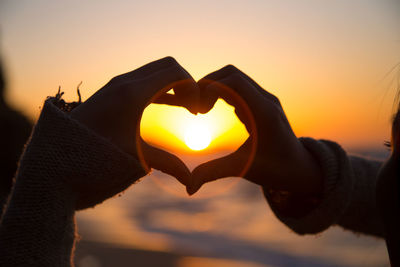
(166, 162)
(235, 164)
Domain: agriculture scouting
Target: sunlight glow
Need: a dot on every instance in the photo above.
(197, 135)
(355, 41)
(175, 128)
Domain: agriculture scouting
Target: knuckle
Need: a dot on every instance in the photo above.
(170, 60)
(113, 79)
(275, 114)
(117, 79)
(231, 68)
(177, 73)
(176, 68)
(275, 99)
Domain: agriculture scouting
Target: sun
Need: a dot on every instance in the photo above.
(197, 135)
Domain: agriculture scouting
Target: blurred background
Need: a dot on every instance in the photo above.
(333, 64)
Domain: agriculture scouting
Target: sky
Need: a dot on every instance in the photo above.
(328, 62)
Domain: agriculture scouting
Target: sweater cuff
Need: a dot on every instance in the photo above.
(90, 165)
(338, 184)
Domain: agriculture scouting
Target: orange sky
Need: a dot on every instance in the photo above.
(323, 59)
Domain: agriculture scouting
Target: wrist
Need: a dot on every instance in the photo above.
(310, 173)
(306, 187)
(293, 205)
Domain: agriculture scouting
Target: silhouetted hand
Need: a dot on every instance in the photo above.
(116, 109)
(388, 195)
(280, 160)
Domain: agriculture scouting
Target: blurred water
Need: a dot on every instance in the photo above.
(228, 219)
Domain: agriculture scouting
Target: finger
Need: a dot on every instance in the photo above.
(149, 68)
(208, 99)
(166, 162)
(168, 99)
(238, 92)
(208, 96)
(188, 95)
(173, 100)
(185, 88)
(230, 69)
(233, 88)
(232, 165)
(219, 74)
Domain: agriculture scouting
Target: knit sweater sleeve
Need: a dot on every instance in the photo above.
(65, 167)
(348, 197)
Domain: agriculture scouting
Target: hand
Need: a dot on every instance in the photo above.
(280, 160)
(115, 110)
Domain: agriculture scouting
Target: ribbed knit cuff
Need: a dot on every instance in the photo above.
(338, 184)
(63, 149)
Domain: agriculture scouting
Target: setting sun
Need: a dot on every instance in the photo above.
(197, 135)
(219, 129)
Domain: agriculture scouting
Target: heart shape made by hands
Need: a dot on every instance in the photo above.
(195, 139)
